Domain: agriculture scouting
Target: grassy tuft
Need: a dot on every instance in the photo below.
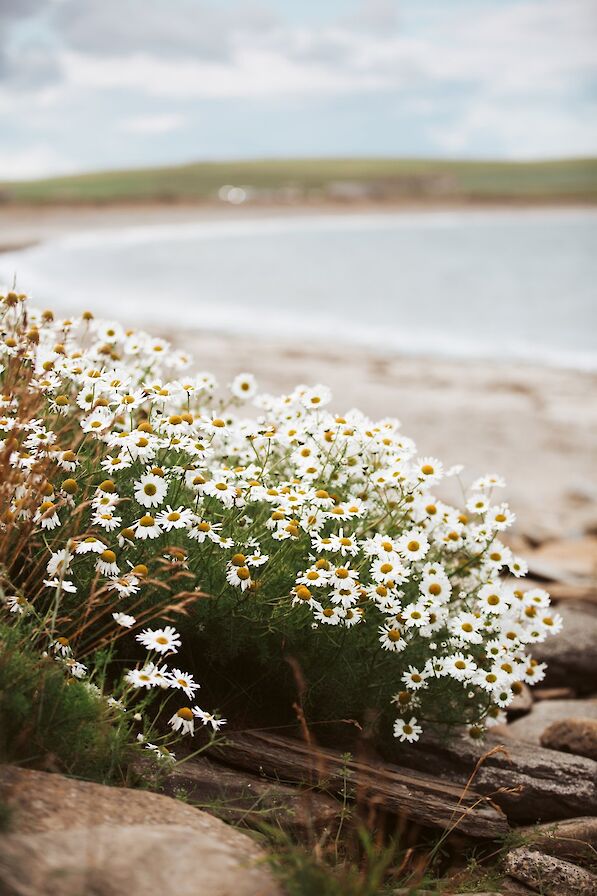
(51, 722)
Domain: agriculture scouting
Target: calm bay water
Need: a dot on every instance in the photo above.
(500, 284)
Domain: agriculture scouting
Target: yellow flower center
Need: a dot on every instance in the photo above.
(302, 592)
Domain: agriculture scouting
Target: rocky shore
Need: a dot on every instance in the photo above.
(532, 784)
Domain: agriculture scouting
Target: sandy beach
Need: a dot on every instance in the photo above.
(535, 425)
(24, 225)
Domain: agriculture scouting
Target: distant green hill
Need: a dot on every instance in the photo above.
(327, 179)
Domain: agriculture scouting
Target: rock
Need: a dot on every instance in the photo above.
(517, 542)
(239, 796)
(578, 736)
(565, 560)
(581, 590)
(548, 874)
(553, 694)
(408, 891)
(529, 782)
(567, 592)
(571, 655)
(530, 728)
(129, 860)
(522, 703)
(72, 837)
(574, 840)
(511, 887)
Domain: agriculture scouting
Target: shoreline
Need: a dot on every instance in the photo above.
(23, 226)
(528, 421)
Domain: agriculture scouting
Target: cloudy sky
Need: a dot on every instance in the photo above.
(88, 84)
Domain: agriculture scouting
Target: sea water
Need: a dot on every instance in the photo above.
(504, 284)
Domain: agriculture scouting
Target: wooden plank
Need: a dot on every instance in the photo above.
(424, 799)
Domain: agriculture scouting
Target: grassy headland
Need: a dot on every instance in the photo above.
(322, 180)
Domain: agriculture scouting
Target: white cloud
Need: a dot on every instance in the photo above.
(154, 124)
(506, 50)
(251, 73)
(33, 161)
(513, 74)
(523, 131)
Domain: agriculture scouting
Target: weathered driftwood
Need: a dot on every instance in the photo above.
(530, 783)
(240, 797)
(424, 799)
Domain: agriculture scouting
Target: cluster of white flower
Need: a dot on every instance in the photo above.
(130, 458)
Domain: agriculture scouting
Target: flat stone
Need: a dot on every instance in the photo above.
(571, 655)
(549, 875)
(235, 795)
(529, 728)
(578, 591)
(131, 860)
(565, 559)
(530, 783)
(578, 736)
(553, 694)
(511, 887)
(522, 703)
(71, 837)
(563, 591)
(574, 839)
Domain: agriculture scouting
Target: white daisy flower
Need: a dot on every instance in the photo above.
(183, 721)
(147, 527)
(391, 638)
(413, 545)
(181, 518)
(244, 386)
(184, 681)
(164, 640)
(208, 719)
(150, 490)
(91, 545)
(409, 731)
(124, 620)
